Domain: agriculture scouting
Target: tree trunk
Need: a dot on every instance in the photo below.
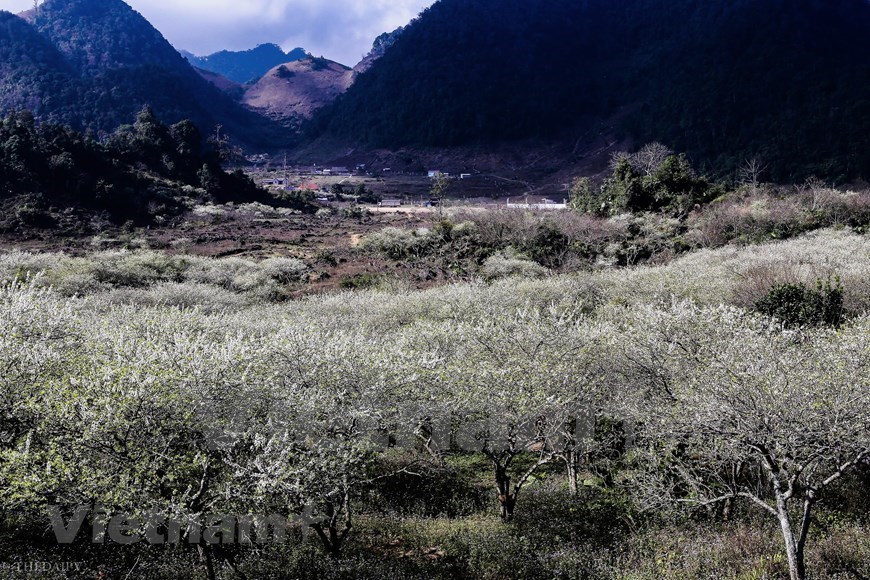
(506, 499)
(795, 556)
(571, 455)
(728, 509)
(206, 559)
(455, 425)
(332, 538)
(572, 462)
(508, 503)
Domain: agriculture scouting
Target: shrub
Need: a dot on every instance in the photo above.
(353, 212)
(360, 282)
(399, 244)
(32, 216)
(137, 269)
(180, 295)
(507, 264)
(760, 216)
(211, 213)
(285, 270)
(549, 246)
(797, 305)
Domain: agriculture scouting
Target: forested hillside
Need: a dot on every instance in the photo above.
(93, 64)
(145, 173)
(33, 73)
(723, 80)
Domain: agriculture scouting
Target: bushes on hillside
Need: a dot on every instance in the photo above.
(753, 216)
(653, 179)
(146, 172)
(400, 244)
(797, 305)
(508, 264)
(157, 277)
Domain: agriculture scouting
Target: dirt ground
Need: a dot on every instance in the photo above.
(330, 245)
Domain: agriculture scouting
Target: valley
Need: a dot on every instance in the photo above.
(537, 289)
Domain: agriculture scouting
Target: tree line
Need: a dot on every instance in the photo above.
(145, 172)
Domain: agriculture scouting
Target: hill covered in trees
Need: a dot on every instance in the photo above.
(143, 173)
(786, 81)
(93, 64)
(245, 66)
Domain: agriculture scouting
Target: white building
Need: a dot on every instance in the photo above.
(545, 204)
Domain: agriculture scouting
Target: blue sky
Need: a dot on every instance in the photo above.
(341, 30)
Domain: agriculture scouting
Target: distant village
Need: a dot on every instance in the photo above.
(362, 184)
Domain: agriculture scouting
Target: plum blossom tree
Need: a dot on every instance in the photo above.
(738, 408)
(322, 438)
(523, 380)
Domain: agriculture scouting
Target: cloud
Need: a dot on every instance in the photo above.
(341, 30)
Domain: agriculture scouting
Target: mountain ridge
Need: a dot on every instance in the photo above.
(246, 66)
(99, 62)
(721, 80)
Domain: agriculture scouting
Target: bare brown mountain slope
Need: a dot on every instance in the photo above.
(295, 90)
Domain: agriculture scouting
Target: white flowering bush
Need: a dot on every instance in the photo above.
(398, 243)
(171, 383)
(210, 213)
(506, 264)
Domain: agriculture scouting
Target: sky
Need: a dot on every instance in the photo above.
(341, 30)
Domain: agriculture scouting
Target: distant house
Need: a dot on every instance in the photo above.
(390, 203)
(544, 204)
(435, 173)
(464, 175)
(339, 171)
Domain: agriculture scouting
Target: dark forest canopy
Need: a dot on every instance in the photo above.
(141, 172)
(786, 80)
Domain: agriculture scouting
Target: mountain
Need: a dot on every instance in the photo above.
(293, 91)
(723, 80)
(93, 65)
(97, 36)
(229, 87)
(246, 66)
(33, 73)
(379, 48)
